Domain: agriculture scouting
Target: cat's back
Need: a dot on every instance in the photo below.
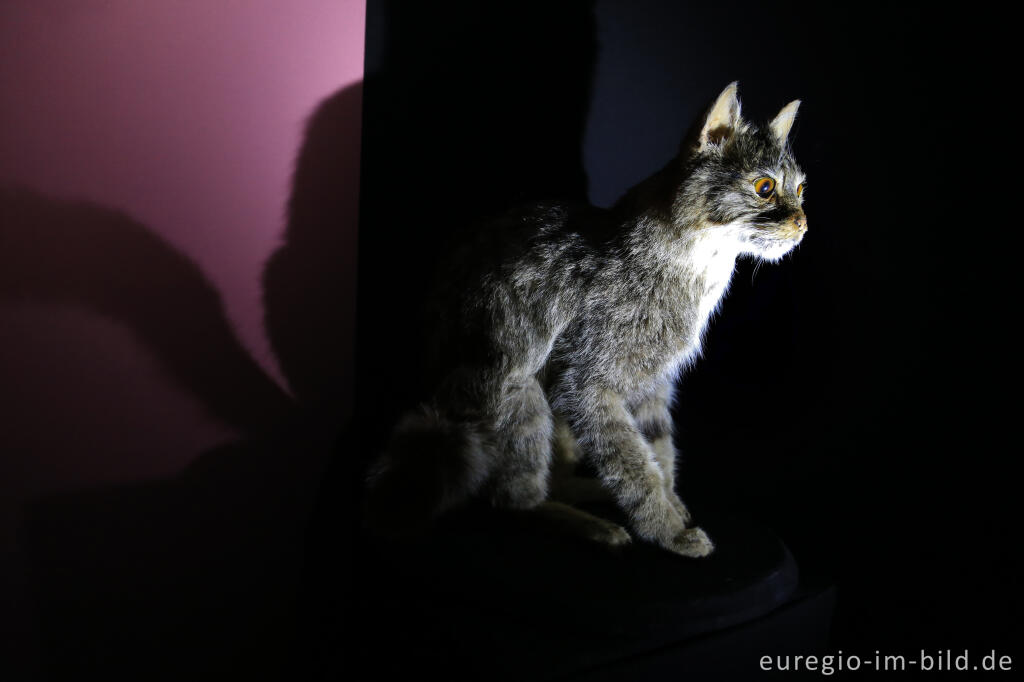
(533, 258)
(530, 242)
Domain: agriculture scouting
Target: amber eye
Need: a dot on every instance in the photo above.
(800, 189)
(764, 187)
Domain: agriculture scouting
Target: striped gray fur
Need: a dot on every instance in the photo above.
(561, 331)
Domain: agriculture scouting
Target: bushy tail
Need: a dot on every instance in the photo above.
(430, 465)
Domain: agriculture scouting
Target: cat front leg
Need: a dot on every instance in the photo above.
(628, 466)
(653, 417)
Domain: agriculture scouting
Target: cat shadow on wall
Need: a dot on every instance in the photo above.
(132, 567)
(309, 282)
(199, 571)
(82, 254)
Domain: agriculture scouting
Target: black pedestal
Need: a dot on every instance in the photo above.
(492, 597)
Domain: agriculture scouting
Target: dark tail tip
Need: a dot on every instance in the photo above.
(426, 468)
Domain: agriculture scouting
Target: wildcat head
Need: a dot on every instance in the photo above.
(744, 179)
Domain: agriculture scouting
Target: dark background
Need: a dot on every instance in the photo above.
(846, 396)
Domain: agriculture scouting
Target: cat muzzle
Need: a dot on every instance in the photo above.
(795, 230)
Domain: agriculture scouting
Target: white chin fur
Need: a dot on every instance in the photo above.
(775, 250)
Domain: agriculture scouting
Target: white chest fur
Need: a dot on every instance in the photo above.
(707, 267)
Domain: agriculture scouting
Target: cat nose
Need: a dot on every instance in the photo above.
(801, 224)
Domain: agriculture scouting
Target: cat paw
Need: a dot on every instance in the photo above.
(609, 534)
(692, 542)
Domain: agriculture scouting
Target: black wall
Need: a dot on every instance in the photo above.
(846, 395)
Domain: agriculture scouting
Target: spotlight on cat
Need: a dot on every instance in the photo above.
(564, 332)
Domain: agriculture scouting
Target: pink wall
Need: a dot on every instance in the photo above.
(146, 157)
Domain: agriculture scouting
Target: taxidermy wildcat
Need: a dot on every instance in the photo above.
(562, 330)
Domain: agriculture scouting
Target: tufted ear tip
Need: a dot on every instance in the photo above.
(723, 118)
(783, 122)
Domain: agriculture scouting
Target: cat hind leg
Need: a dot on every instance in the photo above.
(566, 485)
(525, 436)
(570, 520)
(523, 428)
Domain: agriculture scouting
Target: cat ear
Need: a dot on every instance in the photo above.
(783, 123)
(723, 118)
